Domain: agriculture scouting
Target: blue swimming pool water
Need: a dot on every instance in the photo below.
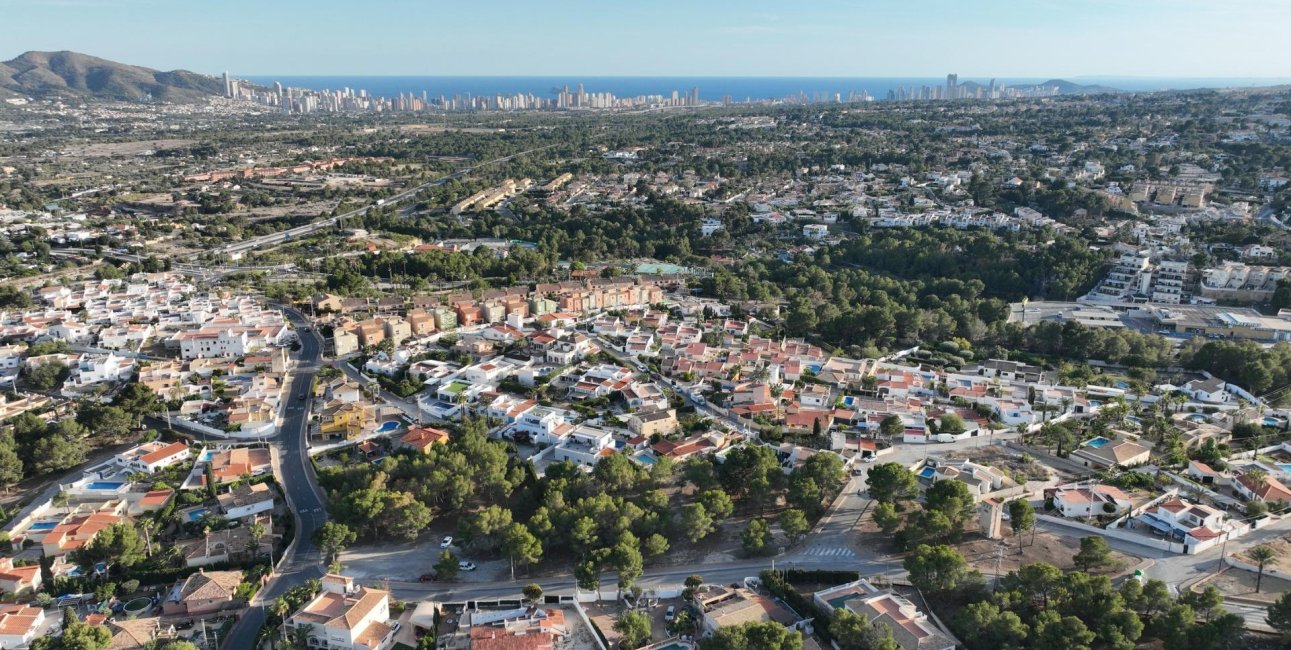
(387, 427)
(197, 515)
(1271, 422)
(105, 485)
(43, 525)
(1197, 417)
(1097, 442)
(1286, 467)
(927, 472)
(646, 459)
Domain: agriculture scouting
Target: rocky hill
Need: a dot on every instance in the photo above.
(80, 76)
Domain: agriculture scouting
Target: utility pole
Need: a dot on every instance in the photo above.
(999, 561)
(1223, 549)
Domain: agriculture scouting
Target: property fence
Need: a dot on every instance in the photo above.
(1142, 540)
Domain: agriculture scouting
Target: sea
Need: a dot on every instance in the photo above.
(710, 88)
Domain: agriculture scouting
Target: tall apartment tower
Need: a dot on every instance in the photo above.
(952, 86)
(228, 85)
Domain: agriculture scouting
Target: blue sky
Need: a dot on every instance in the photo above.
(856, 38)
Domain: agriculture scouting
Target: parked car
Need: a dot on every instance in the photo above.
(448, 541)
(466, 566)
(427, 577)
(670, 615)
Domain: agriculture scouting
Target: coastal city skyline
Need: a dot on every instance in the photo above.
(394, 94)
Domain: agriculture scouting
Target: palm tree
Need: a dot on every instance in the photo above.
(280, 607)
(1262, 555)
(301, 636)
(148, 526)
(256, 531)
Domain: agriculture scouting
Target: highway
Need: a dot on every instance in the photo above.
(304, 498)
(300, 231)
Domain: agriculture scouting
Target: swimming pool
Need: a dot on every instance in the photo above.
(197, 515)
(1096, 442)
(1197, 417)
(927, 472)
(645, 459)
(388, 426)
(43, 525)
(1286, 467)
(1272, 422)
(105, 485)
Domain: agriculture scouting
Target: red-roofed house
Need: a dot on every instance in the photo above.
(345, 617)
(1267, 489)
(18, 625)
(19, 580)
(80, 527)
(152, 456)
(1089, 500)
(421, 439)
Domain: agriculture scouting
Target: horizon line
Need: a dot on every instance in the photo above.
(765, 76)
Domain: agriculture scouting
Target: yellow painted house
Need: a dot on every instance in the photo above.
(349, 421)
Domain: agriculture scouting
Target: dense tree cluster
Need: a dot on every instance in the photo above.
(1040, 606)
(401, 497)
(1256, 368)
(947, 506)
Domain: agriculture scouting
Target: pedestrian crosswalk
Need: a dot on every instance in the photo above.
(841, 552)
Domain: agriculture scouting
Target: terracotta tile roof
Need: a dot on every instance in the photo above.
(215, 585)
(18, 620)
(1202, 533)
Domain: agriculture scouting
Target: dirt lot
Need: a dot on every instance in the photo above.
(602, 615)
(1237, 582)
(982, 554)
(125, 148)
(1010, 461)
(1280, 563)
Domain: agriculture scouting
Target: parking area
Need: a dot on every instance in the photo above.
(405, 562)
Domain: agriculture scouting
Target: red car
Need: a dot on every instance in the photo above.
(426, 577)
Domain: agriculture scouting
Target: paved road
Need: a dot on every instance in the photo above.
(720, 573)
(1254, 615)
(296, 476)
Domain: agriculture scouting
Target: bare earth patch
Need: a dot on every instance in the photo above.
(1241, 583)
(983, 554)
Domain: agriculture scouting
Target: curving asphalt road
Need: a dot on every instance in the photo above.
(296, 476)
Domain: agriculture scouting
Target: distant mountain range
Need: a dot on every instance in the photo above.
(80, 76)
